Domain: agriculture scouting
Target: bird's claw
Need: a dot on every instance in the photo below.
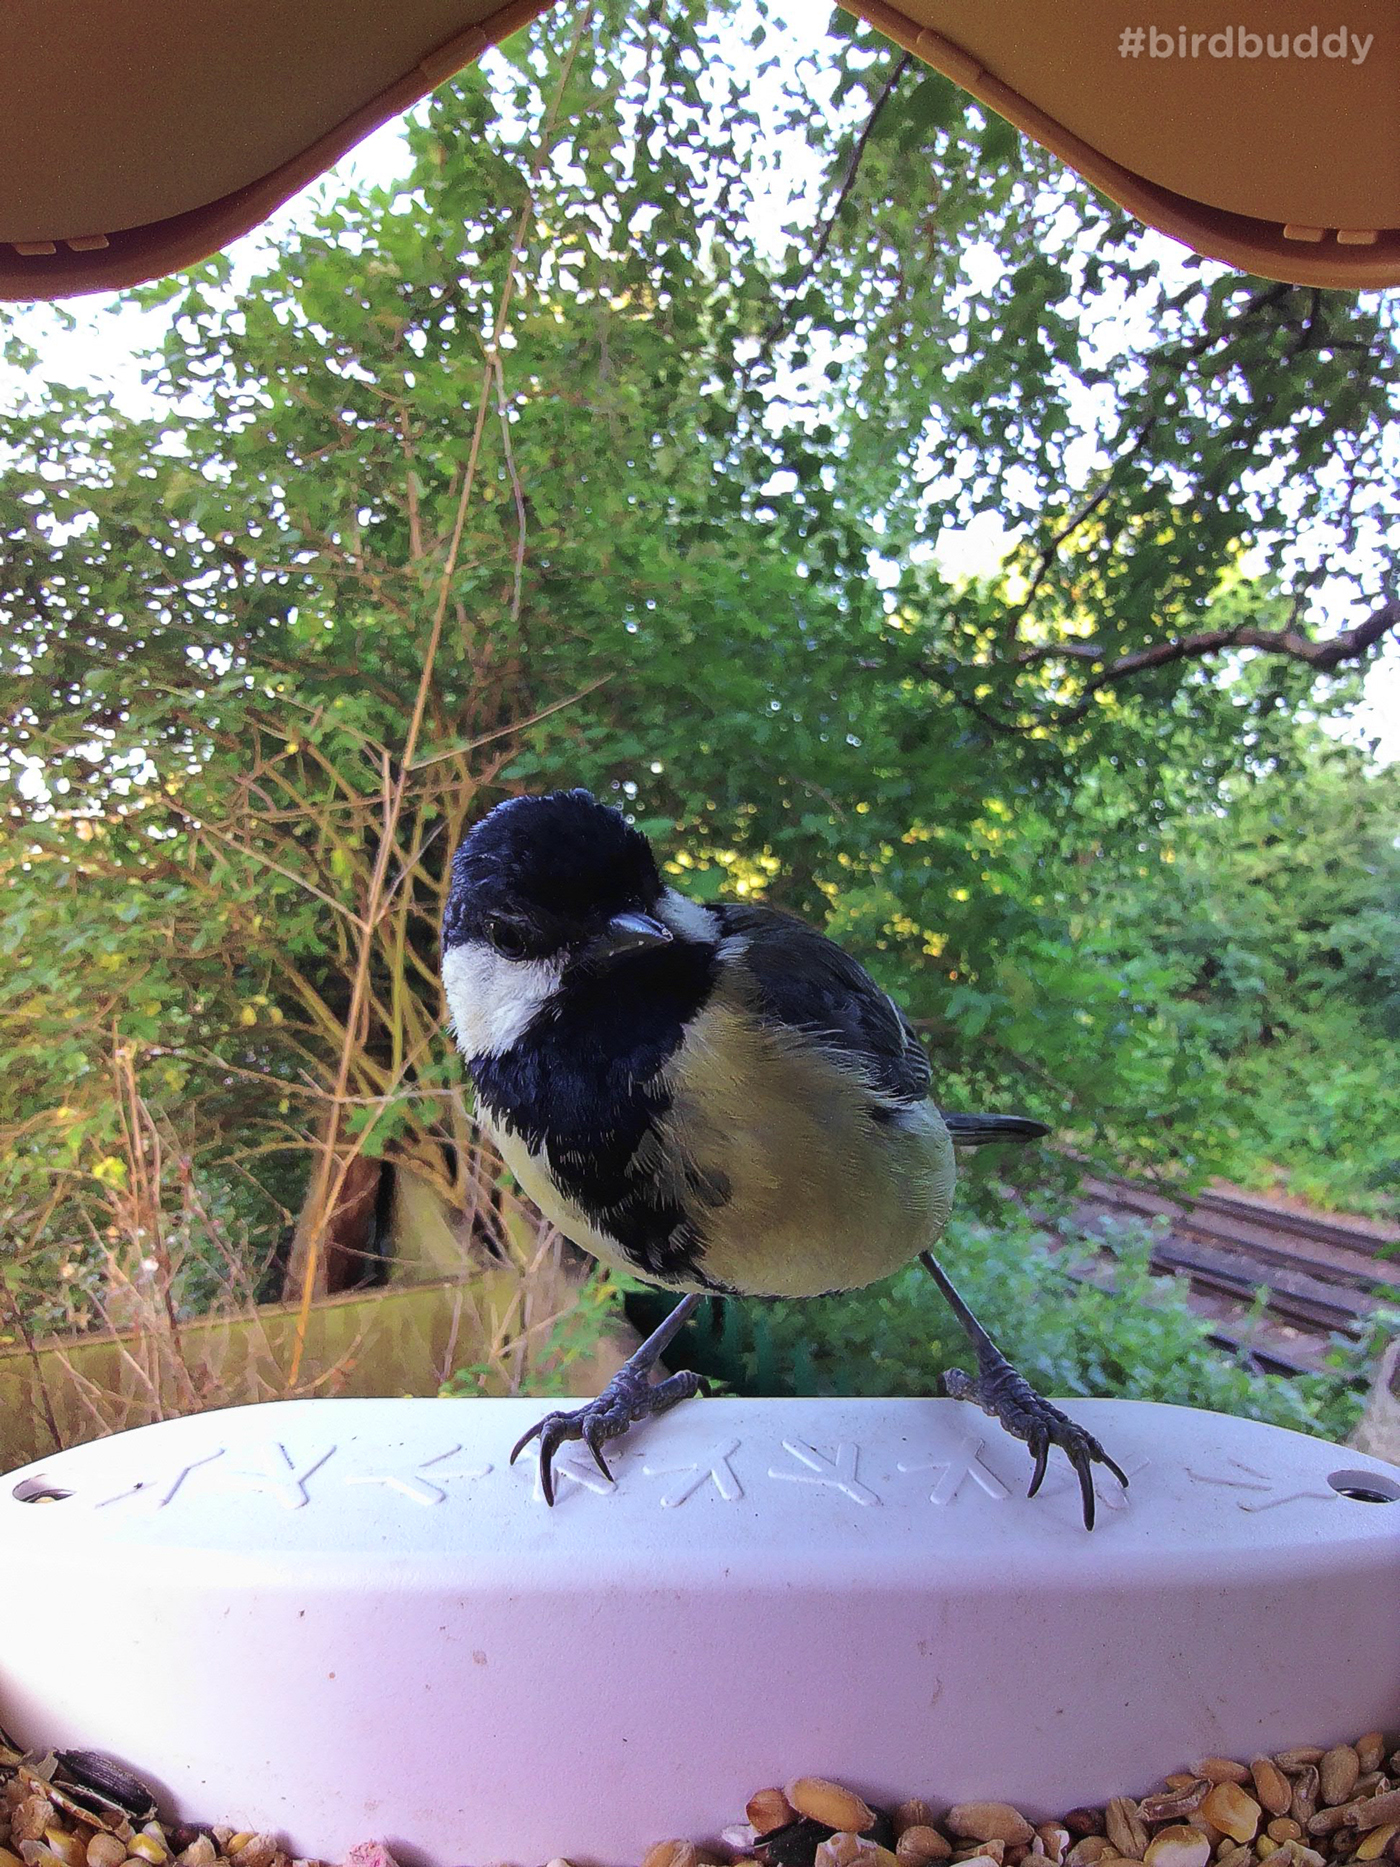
(593, 1424)
(1011, 1400)
(628, 1396)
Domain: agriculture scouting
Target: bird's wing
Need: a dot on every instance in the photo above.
(806, 983)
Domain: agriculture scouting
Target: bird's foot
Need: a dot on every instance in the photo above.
(1014, 1403)
(629, 1396)
(1011, 1399)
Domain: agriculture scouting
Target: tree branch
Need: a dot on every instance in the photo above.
(1325, 657)
(1169, 365)
(781, 318)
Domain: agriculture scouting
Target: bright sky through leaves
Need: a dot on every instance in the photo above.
(98, 340)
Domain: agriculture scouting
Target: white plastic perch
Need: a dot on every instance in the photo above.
(347, 1619)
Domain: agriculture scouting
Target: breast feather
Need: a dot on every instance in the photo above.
(821, 1196)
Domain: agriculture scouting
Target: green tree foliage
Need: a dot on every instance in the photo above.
(1273, 914)
(699, 573)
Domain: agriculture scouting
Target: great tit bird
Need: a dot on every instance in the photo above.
(712, 1096)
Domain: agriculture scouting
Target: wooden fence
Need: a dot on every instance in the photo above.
(385, 1342)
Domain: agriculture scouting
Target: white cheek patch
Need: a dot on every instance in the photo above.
(492, 1000)
(690, 919)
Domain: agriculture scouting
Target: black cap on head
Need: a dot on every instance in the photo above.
(558, 864)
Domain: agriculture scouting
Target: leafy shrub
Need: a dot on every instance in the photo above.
(1139, 1341)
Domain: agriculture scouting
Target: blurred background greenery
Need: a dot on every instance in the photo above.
(893, 527)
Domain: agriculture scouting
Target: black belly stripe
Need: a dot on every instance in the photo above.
(583, 1082)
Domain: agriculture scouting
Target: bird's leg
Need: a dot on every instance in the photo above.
(1011, 1400)
(630, 1395)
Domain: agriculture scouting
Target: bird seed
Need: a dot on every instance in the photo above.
(1319, 1808)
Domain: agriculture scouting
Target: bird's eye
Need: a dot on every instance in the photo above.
(507, 939)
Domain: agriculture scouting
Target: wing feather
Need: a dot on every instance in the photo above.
(806, 983)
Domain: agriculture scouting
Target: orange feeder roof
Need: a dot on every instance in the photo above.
(140, 137)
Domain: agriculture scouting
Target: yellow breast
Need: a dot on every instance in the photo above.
(821, 1197)
(811, 1194)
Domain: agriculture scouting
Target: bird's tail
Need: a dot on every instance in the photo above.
(979, 1130)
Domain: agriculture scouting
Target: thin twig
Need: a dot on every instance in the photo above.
(516, 490)
(249, 849)
(516, 726)
(1174, 361)
(415, 528)
(394, 806)
(782, 317)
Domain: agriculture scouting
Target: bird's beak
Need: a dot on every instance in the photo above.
(625, 933)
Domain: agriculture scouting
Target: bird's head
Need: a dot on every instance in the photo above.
(554, 877)
(542, 887)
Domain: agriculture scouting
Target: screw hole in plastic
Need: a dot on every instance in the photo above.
(39, 1490)
(1366, 1487)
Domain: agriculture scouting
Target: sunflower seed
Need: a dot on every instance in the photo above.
(88, 1770)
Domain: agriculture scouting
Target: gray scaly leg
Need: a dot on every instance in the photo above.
(1011, 1400)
